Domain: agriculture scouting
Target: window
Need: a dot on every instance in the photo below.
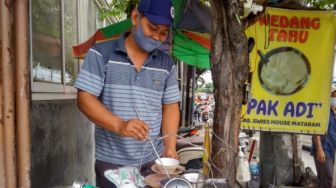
(57, 25)
(46, 40)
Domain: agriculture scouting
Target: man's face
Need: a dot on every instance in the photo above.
(333, 106)
(156, 32)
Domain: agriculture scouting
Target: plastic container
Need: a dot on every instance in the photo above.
(254, 166)
(243, 173)
(255, 173)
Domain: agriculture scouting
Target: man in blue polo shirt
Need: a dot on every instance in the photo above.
(324, 148)
(129, 89)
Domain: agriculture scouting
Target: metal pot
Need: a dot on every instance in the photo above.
(175, 183)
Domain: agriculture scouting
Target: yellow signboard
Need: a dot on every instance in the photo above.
(291, 65)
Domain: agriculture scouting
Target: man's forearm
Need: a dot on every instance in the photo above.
(170, 122)
(97, 112)
(317, 141)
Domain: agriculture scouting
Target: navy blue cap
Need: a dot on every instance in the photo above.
(159, 12)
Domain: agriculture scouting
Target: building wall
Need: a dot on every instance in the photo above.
(62, 144)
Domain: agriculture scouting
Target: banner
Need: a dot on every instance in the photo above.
(291, 64)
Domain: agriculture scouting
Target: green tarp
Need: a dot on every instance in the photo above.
(190, 51)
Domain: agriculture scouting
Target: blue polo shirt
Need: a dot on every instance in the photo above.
(109, 74)
(328, 141)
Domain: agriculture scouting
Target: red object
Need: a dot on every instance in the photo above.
(251, 150)
(80, 50)
(205, 42)
(193, 132)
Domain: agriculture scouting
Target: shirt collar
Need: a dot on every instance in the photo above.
(121, 43)
(121, 46)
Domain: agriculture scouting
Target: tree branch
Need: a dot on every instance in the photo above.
(252, 18)
(288, 4)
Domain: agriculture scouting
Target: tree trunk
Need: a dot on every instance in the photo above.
(229, 59)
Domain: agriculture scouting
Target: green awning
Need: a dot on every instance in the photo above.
(190, 51)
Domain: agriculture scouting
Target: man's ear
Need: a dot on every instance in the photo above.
(134, 16)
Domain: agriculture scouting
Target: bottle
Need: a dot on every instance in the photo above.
(206, 153)
(255, 171)
(243, 173)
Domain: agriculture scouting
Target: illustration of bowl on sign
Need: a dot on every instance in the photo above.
(283, 71)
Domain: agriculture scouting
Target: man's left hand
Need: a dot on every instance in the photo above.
(171, 153)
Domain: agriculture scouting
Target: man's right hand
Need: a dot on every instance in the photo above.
(320, 156)
(134, 128)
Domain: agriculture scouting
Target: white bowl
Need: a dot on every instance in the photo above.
(196, 179)
(169, 164)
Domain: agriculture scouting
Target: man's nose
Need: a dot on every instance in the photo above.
(156, 36)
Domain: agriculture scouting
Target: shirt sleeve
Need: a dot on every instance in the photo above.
(171, 93)
(92, 74)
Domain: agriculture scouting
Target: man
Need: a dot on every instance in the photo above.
(129, 89)
(324, 148)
